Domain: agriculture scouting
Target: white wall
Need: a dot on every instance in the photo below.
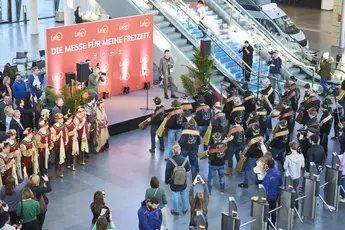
(327, 4)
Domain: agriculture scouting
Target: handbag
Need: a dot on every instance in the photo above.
(241, 164)
(42, 202)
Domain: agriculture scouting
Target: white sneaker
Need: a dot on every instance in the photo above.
(342, 200)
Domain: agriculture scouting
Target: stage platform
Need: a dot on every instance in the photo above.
(124, 113)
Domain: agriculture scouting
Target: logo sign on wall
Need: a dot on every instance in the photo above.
(123, 48)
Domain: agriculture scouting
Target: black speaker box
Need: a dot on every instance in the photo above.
(205, 48)
(69, 77)
(83, 71)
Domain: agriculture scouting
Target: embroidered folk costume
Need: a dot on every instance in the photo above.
(82, 127)
(44, 144)
(14, 154)
(6, 163)
(72, 147)
(102, 133)
(29, 152)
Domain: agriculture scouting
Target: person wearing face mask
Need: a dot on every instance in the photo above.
(198, 203)
(18, 88)
(150, 214)
(102, 134)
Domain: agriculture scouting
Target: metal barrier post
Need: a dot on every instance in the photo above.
(231, 220)
(259, 210)
(333, 179)
(286, 201)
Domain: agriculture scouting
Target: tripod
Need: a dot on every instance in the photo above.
(146, 109)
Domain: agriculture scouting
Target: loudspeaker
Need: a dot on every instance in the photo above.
(205, 48)
(83, 71)
(69, 77)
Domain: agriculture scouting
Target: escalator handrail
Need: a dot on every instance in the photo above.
(162, 34)
(268, 34)
(224, 44)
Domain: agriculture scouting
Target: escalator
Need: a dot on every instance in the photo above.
(239, 19)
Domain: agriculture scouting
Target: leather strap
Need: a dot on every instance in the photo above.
(325, 119)
(191, 132)
(202, 107)
(341, 94)
(311, 99)
(236, 129)
(157, 112)
(281, 133)
(263, 113)
(288, 114)
(292, 95)
(228, 99)
(172, 113)
(217, 150)
(248, 98)
(239, 108)
(216, 117)
(186, 107)
(253, 141)
(250, 125)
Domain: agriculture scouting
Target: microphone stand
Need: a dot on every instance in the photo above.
(146, 109)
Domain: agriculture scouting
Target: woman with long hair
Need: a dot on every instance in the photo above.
(12, 194)
(9, 114)
(6, 87)
(40, 191)
(102, 134)
(98, 205)
(28, 210)
(198, 203)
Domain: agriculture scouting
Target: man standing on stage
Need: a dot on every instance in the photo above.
(247, 58)
(94, 80)
(166, 68)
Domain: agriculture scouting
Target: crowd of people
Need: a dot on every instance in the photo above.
(242, 128)
(39, 140)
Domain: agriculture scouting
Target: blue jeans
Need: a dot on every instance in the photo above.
(250, 165)
(323, 82)
(193, 161)
(342, 193)
(278, 154)
(173, 134)
(94, 94)
(174, 197)
(153, 138)
(202, 131)
(234, 150)
(212, 170)
(279, 78)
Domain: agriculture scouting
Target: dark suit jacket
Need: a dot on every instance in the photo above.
(16, 126)
(31, 79)
(2, 112)
(26, 117)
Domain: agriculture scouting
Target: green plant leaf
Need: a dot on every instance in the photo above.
(188, 85)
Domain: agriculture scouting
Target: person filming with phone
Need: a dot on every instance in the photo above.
(5, 220)
(198, 204)
(275, 64)
(247, 57)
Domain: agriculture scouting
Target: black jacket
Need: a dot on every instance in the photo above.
(189, 142)
(315, 154)
(262, 120)
(239, 139)
(293, 98)
(175, 122)
(157, 120)
(248, 58)
(203, 117)
(26, 117)
(289, 119)
(228, 108)
(326, 127)
(335, 115)
(41, 191)
(280, 142)
(15, 125)
(218, 158)
(277, 65)
(219, 125)
(78, 19)
(249, 105)
(254, 151)
(169, 171)
(270, 98)
(233, 115)
(315, 104)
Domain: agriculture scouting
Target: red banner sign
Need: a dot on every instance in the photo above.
(123, 48)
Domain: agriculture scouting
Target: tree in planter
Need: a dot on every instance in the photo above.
(199, 75)
(72, 96)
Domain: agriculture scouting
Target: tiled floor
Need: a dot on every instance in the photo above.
(124, 171)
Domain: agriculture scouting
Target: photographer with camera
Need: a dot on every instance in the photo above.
(275, 64)
(95, 79)
(5, 218)
(247, 57)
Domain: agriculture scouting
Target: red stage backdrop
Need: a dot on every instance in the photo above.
(123, 48)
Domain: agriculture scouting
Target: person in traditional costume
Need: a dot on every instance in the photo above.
(6, 162)
(218, 125)
(268, 102)
(228, 103)
(44, 145)
(102, 133)
(156, 120)
(29, 152)
(90, 110)
(59, 138)
(203, 115)
(72, 147)
(82, 127)
(185, 105)
(238, 110)
(325, 123)
(15, 152)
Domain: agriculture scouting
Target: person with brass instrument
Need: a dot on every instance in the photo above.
(261, 112)
(252, 152)
(202, 117)
(249, 105)
(29, 152)
(15, 153)
(216, 161)
(236, 142)
(189, 142)
(278, 143)
(156, 120)
(338, 118)
(237, 111)
(268, 102)
(185, 105)
(44, 144)
(287, 114)
(325, 123)
(228, 103)
(312, 122)
(252, 120)
(310, 101)
(60, 139)
(82, 127)
(72, 144)
(218, 122)
(291, 95)
(6, 162)
(174, 122)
